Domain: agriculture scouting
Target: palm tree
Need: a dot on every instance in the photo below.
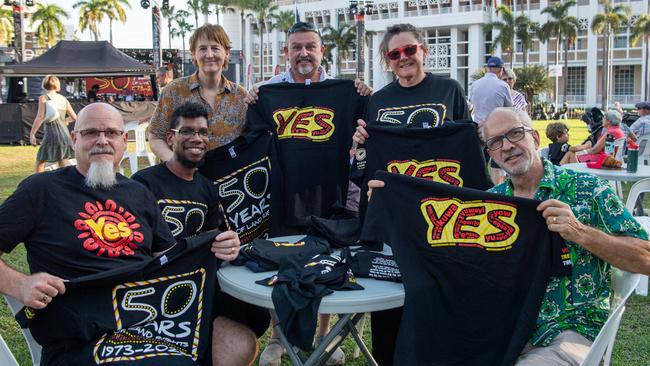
(608, 23)
(6, 26)
(506, 28)
(343, 39)
(283, 21)
(169, 14)
(115, 11)
(263, 9)
(560, 24)
(219, 6)
(526, 30)
(183, 27)
(641, 30)
(50, 28)
(91, 13)
(533, 80)
(198, 6)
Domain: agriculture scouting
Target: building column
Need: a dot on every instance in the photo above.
(592, 79)
(453, 57)
(476, 51)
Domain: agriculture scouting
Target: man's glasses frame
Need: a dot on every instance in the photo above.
(408, 50)
(513, 135)
(94, 133)
(303, 27)
(188, 132)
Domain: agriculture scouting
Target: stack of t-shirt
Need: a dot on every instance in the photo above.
(265, 255)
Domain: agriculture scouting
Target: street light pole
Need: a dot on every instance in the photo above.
(359, 9)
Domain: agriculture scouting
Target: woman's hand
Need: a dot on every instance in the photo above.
(32, 139)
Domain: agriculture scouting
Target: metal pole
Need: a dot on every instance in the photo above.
(359, 24)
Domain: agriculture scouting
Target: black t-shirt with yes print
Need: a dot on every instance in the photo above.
(71, 230)
(428, 104)
(189, 207)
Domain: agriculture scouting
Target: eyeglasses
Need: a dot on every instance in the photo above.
(513, 135)
(110, 133)
(507, 79)
(408, 50)
(303, 27)
(190, 132)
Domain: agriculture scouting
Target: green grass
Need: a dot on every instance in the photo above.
(633, 341)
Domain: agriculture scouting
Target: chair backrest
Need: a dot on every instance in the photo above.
(644, 149)
(623, 284)
(637, 188)
(34, 347)
(6, 357)
(543, 152)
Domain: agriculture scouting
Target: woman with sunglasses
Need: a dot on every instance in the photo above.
(421, 99)
(518, 99)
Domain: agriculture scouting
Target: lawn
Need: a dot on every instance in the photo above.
(16, 162)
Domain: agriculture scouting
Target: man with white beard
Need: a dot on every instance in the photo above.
(56, 213)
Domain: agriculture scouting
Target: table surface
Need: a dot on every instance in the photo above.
(643, 171)
(239, 282)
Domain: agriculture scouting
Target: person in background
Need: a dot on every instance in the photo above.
(518, 99)
(641, 126)
(559, 152)
(56, 145)
(163, 77)
(617, 107)
(224, 100)
(92, 94)
(611, 126)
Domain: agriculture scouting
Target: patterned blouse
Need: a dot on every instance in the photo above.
(225, 122)
(581, 302)
(518, 100)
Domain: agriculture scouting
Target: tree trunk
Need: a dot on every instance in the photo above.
(110, 29)
(607, 75)
(565, 74)
(525, 57)
(196, 19)
(647, 68)
(169, 32)
(602, 74)
(243, 62)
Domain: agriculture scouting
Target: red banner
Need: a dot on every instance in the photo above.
(122, 85)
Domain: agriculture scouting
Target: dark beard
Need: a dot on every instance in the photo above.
(189, 163)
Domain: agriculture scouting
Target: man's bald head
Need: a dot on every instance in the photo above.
(98, 111)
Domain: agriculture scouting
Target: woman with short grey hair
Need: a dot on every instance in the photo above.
(518, 99)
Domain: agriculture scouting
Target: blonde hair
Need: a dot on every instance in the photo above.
(51, 82)
(213, 33)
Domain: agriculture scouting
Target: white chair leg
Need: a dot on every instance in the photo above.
(642, 288)
(133, 161)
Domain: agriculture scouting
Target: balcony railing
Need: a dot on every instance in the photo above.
(623, 99)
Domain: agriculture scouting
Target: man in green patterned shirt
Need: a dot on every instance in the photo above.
(588, 214)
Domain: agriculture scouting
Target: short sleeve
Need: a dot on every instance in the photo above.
(612, 214)
(162, 236)
(160, 121)
(17, 216)
(461, 111)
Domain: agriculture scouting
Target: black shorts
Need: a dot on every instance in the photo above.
(254, 317)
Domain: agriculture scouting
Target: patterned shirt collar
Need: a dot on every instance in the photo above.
(228, 86)
(546, 185)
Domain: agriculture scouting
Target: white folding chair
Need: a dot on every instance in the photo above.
(644, 149)
(623, 284)
(34, 347)
(636, 190)
(139, 130)
(6, 357)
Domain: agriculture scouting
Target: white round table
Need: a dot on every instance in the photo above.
(239, 282)
(622, 175)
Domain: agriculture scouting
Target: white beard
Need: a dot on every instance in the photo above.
(305, 69)
(101, 175)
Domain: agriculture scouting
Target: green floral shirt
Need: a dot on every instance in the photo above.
(579, 303)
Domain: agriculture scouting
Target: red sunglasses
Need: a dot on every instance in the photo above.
(408, 50)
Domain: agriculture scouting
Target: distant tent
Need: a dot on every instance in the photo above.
(80, 58)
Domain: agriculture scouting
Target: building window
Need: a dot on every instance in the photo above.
(576, 80)
(620, 41)
(623, 80)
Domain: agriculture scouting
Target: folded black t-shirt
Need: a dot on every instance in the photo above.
(475, 266)
(266, 255)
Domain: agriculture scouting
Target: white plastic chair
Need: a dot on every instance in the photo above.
(619, 147)
(636, 190)
(6, 357)
(644, 149)
(543, 152)
(34, 347)
(623, 284)
(139, 129)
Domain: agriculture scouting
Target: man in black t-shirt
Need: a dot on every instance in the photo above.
(190, 205)
(86, 219)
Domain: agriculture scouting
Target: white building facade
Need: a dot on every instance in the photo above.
(458, 45)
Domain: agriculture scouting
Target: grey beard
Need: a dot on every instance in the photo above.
(101, 175)
(304, 70)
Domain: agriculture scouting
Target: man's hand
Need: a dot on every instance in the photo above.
(560, 219)
(361, 134)
(363, 89)
(251, 97)
(38, 290)
(226, 246)
(374, 184)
